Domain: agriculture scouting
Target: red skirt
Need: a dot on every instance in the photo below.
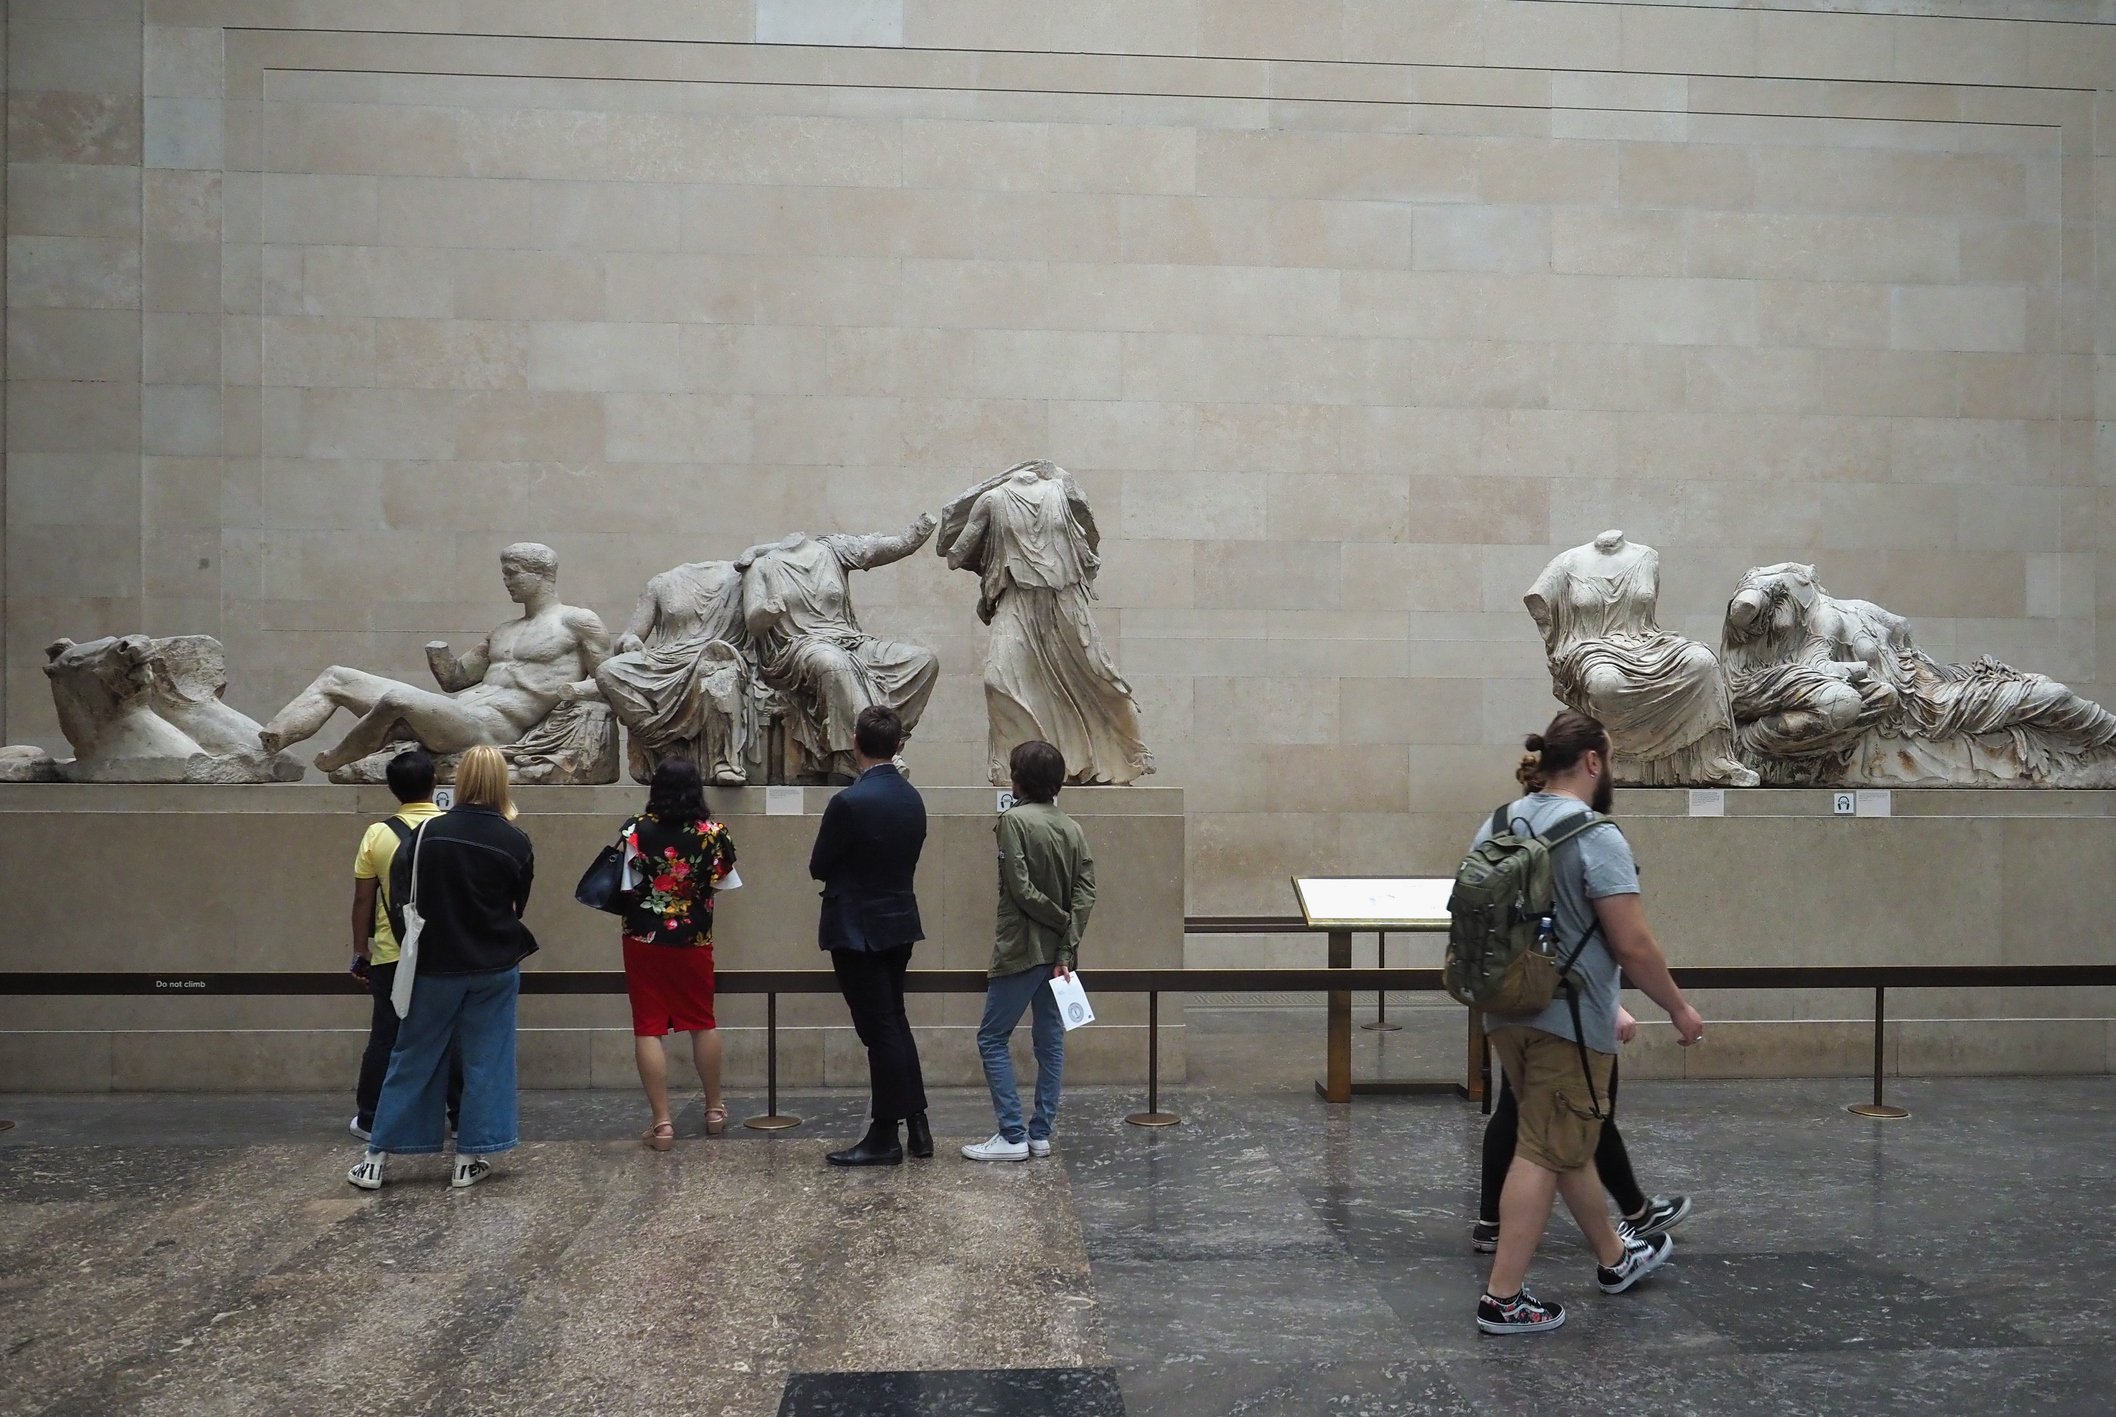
(671, 987)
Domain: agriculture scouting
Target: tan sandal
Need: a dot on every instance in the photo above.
(661, 1136)
(715, 1121)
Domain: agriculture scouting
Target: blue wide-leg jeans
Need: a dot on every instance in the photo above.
(475, 1013)
(1005, 998)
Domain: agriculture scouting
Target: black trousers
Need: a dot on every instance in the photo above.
(1610, 1159)
(381, 1038)
(873, 985)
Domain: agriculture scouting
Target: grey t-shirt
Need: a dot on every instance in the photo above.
(1596, 863)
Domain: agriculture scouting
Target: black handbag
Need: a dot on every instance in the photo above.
(602, 885)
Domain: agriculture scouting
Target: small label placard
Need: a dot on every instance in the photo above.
(1876, 802)
(1006, 802)
(445, 798)
(1708, 801)
(782, 801)
(1844, 803)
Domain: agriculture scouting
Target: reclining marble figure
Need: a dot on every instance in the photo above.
(139, 709)
(1030, 537)
(1828, 691)
(527, 689)
(809, 647)
(679, 679)
(1662, 697)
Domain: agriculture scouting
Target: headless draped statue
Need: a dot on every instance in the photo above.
(1662, 697)
(679, 679)
(1834, 691)
(1031, 538)
(810, 649)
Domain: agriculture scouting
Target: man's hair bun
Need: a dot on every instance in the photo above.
(1533, 742)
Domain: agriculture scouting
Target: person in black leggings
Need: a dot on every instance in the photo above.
(1646, 1215)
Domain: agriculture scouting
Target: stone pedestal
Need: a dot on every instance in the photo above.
(234, 878)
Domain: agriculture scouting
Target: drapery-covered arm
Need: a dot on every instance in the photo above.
(865, 553)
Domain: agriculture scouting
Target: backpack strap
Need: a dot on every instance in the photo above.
(1498, 818)
(1577, 826)
(398, 826)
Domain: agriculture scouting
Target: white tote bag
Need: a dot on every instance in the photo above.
(408, 947)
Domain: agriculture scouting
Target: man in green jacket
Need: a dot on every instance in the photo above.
(1046, 889)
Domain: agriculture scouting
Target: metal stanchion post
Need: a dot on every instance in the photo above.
(1878, 1108)
(1153, 1116)
(771, 1121)
(1381, 1022)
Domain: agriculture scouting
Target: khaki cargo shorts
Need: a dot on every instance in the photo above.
(1558, 1129)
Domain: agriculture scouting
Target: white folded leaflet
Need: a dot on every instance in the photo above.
(1073, 1007)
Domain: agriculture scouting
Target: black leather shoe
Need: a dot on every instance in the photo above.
(877, 1148)
(918, 1136)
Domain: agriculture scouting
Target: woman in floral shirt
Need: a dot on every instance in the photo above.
(678, 857)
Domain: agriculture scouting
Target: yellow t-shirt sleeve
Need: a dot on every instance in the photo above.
(367, 861)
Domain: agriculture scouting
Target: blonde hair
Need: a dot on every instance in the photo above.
(481, 781)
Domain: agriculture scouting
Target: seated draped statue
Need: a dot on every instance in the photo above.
(1829, 691)
(1031, 538)
(526, 689)
(1662, 697)
(809, 647)
(679, 680)
(140, 709)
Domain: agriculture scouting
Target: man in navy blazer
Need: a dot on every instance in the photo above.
(866, 854)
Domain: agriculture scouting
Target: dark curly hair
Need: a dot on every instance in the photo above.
(677, 793)
(1559, 746)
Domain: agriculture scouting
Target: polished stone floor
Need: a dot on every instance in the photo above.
(1270, 1256)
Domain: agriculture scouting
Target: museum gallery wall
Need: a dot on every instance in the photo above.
(305, 326)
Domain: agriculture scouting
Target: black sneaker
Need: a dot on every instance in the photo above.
(1484, 1237)
(1662, 1214)
(1524, 1313)
(1641, 1258)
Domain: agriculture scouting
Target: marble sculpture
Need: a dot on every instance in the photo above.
(21, 762)
(140, 709)
(680, 680)
(1030, 537)
(1831, 691)
(527, 688)
(1663, 697)
(809, 647)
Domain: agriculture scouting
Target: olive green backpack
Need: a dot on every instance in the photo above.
(1498, 959)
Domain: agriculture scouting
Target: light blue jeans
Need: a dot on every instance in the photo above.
(1005, 998)
(476, 1013)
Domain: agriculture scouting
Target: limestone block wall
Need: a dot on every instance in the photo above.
(1345, 313)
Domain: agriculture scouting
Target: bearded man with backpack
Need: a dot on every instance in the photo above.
(1547, 919)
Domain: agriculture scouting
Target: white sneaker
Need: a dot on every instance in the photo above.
(367, 1171)
(469, 1171)
(1039, 1149)
(359, 1131)
(997, 1149)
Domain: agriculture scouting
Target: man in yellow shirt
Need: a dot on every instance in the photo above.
(411, 779)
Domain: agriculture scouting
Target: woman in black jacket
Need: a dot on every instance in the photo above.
(469, 876)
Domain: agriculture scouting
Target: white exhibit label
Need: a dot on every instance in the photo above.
(1875, 802)
(445, 798)
(1375, 902)
(1073, 1007)
(1708, 801)
(1844, 803)
(1006, 801)
(782, 801)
